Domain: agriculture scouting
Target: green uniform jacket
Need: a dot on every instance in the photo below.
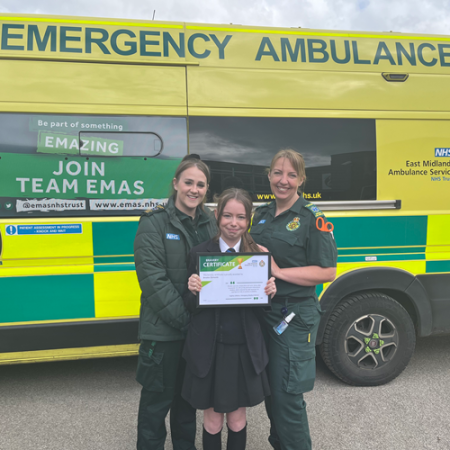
(295, 239)
(161, 247)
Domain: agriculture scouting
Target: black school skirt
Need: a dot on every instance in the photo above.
(231, 383)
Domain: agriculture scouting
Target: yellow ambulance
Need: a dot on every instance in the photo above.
(95, 115)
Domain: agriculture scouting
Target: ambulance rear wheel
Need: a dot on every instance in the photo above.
(368, 340)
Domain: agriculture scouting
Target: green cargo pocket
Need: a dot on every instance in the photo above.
(308, 314)
(149, 372)
(302, 370)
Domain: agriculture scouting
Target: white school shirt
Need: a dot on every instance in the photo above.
(224, 246)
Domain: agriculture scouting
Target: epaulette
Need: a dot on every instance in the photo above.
(263, 205)
(155, 209)
(314, 209)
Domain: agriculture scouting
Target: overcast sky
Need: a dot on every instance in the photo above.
(409, 16)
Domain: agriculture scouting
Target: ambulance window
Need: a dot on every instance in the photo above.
(340, 154)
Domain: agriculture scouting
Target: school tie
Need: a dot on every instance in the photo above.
(231, 250)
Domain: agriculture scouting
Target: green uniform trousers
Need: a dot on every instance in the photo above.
(160, 372)
(292, 371)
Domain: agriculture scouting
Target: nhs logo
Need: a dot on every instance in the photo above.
(439, 152)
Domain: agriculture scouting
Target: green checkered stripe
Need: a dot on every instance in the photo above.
(113, 246)
(65, 297)
(367, 240)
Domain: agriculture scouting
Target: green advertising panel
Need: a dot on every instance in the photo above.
(87, 165)
(56, 176)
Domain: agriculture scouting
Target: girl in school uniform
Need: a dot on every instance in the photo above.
(225, 350)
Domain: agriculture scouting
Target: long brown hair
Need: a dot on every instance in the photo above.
(248, 244)
(187, 162)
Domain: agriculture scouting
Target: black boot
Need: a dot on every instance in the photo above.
(237, 439)
(212, 441)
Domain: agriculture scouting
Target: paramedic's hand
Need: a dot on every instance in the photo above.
(194, 284)
(271, 288)
(273, 265)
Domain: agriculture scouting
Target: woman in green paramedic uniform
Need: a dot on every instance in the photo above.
(304, 255)
(163, 240)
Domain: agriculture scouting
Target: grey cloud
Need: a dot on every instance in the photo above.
(412, 16)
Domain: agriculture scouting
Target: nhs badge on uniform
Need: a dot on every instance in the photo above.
(172, 237)
(262, 221)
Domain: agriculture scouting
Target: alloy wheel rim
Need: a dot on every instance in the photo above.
(371, 342)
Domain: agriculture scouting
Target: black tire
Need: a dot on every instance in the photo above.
(368, 339)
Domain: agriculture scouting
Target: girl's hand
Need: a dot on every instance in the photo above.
(194, 284)
(262, 248)
(271, 288)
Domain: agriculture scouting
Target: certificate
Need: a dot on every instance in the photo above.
(233, 279)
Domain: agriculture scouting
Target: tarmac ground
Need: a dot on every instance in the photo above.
(92, 404)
